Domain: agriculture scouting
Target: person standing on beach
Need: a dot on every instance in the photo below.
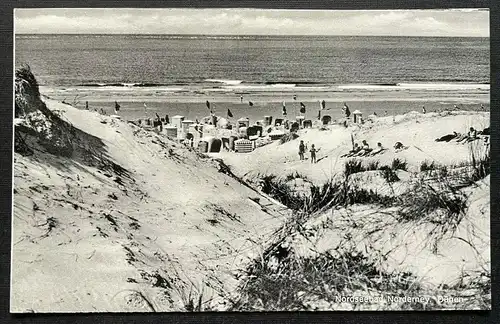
(241, 99)
(87, 105)
(158, 122)
(423, 110)
(313, 153)
(346, 110)
(302, 150)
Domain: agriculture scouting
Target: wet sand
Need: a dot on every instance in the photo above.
(192, 104)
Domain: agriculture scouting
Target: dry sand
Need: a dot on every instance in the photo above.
(84, 242)
(176, 215)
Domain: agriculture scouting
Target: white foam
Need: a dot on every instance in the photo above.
(283, 85)
(228, 82)
(417, 86)
(280, 87)
(215, 90)
(445, 86)
(131, 89)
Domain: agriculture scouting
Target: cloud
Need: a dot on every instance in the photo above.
(463, 22)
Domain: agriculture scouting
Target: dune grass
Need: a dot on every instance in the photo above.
(27, 93)
(399, 164)
(289, 282)
(480, 165)
(373, 165)
(389, 174)
(295, 175)
(426, 166)
(353, 166)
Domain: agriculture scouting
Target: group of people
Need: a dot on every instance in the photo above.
(358, 150)
(302, 151)
(471, 136)
(364, 150)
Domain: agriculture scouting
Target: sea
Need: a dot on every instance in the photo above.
(177, 74)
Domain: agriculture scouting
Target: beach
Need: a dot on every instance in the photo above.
(112, 231)
(116, 209)
(190, 102)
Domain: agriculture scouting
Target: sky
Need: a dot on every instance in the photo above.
(239, 21)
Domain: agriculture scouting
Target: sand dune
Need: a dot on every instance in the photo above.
(133, 221)
(97, 239)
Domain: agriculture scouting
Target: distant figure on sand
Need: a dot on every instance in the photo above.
(86, 105)
(399, 146)
(423, 110)
(365, 150)
(241, 99)
(302, 150)
(472, 136)
(346, 110)
(167, 120)
(447, 138)
(313, 153)
(294, 97)
(352, 152)
(378, 150)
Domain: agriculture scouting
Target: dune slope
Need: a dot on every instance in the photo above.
(130, 221)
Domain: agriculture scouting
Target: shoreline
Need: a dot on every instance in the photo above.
(192, 104)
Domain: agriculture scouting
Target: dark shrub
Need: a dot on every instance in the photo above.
(353, 166)
(398, 164)
(389, 174)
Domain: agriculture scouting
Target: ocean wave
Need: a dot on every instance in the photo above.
(296, 82)
(237, 86)
(228, 82)
(132, 84)
(261, 86)
(417, 86)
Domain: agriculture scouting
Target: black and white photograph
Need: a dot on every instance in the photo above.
(250, 160)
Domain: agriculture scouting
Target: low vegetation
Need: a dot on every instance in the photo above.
(355, 166)
(389, 174)
(481, 166)
(399, 164)
(295, 175)
(284, 281)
